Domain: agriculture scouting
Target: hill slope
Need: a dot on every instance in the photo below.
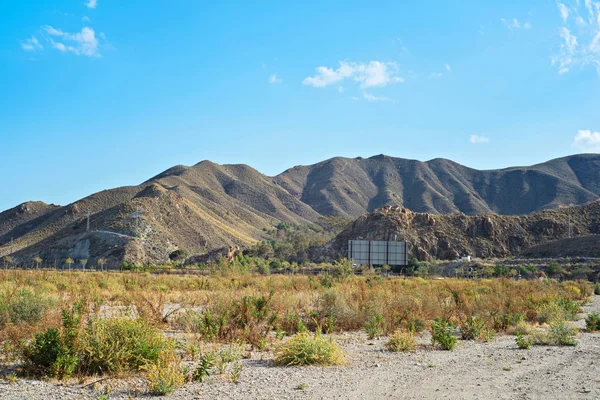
(207, 206)
(449, 236)
(351, 187)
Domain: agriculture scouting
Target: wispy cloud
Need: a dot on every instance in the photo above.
(80, 43)
(479, 139)
(448, 67)
(436, 75)
(580, 36)
(375, 73)
(91, 4)
(515, 24)
(370, 97)
(587, 141)
(341, 89)
(31, 44)
(85, 18)
(273, 79)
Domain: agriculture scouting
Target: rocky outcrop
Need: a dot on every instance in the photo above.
(447, 237)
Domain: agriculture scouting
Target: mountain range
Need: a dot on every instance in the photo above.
(207, 206)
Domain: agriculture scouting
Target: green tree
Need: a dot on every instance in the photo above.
(38, 260)
(69, 261)
(83, 263)
(101, 263)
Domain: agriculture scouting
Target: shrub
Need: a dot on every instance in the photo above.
(592, 322)
(306, 349)
(442, 332)
(401, 342)
(597, 289)
(121, 344)
(23, 307)
(523, 342)
(415, 325)
(164, 376)
(54, 352)
(374, 326)
(562, 334)
(472, 328)
(207, 363)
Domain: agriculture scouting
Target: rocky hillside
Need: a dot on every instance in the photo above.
(208, 206)
(447, 237)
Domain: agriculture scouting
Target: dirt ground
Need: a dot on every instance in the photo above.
(496, 370)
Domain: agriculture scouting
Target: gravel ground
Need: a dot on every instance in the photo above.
(496, 370)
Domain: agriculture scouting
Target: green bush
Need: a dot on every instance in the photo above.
(121, 344)
(597, 289)
(442, 332)
(374, 326)
(401, 342)
(306, 349)
(562, 334)
(592, 322)
(415, 325)
(55, 353)
(472, 328)
(523, 342)
(207, 363)
(24, 307)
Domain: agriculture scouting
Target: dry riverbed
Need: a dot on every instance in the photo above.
(496, 370)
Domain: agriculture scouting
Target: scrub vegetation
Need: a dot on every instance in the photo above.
(172, 329)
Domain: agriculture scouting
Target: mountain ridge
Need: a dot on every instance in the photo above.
(205, 206)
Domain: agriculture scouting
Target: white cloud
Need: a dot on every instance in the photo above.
(341, 89)
(370, 97)
(588, 141)
(479, 139)
(355, 98)
(274, 79)
(564, 11)
(436, 75)
(375, 73)
(580, 36)
(515, 24)
(81, 43)
(447, 67)
(31, 44)
(85, 18)
(91, 4)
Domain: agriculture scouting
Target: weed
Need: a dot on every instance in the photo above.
(431, 364)
(121, 344)
(302, 386)
(597, 289)
(562, 334)
(236, 371)
(164, 376)
(592, 322)
(306, 349)
(374, 327)
(506, 368)
(442, 332)
(472, 328)
(401, 342)
(12, 378)
(523, 342)
(207, 363)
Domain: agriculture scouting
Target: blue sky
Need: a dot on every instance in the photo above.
(99, 94)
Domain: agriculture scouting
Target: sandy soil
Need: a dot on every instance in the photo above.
(496, 370)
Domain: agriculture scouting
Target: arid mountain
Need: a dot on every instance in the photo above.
(208, 206)
(344, 186)
(447, 237)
